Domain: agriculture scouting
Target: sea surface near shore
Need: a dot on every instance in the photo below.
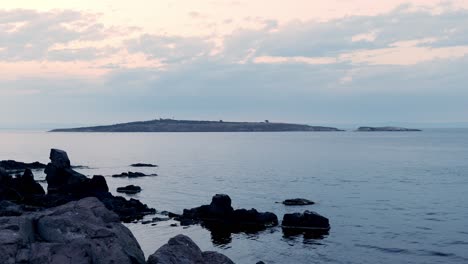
(391, 197)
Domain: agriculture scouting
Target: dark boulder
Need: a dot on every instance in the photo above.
(61, 178)
(143, 165)
(297, 201)
(306, 220)
(129, 189)
(98, 184)
(182, 250)
(221, 213)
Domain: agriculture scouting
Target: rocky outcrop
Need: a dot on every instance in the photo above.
(386, 129)
(61, 178)
(12, 165)
(297, 201)
(143, 165)
(83, 231)
(221, 212)
(307, 220)
(129, 189)
(182, 250)
(132, 175)
(66, 185)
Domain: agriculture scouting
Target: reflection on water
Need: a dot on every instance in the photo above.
(390, 197)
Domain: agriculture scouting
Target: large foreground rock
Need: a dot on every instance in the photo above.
(79, 232)
(182, 250)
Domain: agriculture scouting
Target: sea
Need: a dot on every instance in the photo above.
(391, 197)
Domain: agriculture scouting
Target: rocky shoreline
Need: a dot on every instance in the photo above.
(79, 221)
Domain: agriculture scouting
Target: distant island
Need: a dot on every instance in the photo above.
(386, 129)
(171, 125)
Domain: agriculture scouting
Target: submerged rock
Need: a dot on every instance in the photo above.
(78, 232)
(143, 165)
(307, 220)
(182, 250)
(129, 189)
(297, 201)
(132, 175)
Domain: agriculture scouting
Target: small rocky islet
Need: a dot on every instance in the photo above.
(79, 221)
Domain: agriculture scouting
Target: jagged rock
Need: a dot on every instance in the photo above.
(220, 211)
(182, 250)
(297, 201)
(306, 220)
(129, 189)
(78, 232)
(144, 165)
(61, 178)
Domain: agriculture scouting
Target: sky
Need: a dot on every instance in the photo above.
(66, 63)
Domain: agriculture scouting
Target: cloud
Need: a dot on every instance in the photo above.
(30, 35)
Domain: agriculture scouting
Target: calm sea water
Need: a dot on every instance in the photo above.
(390, 197)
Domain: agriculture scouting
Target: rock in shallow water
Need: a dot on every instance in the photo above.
(129, 189)
(78, 232)
(143, 165)
(182, 250)
(297, 201)
(306, 220)
(220, 212)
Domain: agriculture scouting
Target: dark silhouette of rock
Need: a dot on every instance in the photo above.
(61, 178)
(306, 220)
(19, 188)
(220, 216)
(11, 165)
(143, 165)
(182, 250)
(132, 175)
(98, 184)
(82, 231)
(129, 189)
(297, 201)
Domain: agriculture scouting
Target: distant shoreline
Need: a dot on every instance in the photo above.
(171, 125)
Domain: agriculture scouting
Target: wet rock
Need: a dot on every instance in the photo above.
(297, 201)
(11, 165)
(307, 220)
(132, 175)
(129, 189)
(78, 232)
(221, 212)
(143, 165)
(182, 250)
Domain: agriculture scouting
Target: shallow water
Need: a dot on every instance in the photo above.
(390, 197)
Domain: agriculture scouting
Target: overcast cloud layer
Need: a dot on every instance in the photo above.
(400, 63)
